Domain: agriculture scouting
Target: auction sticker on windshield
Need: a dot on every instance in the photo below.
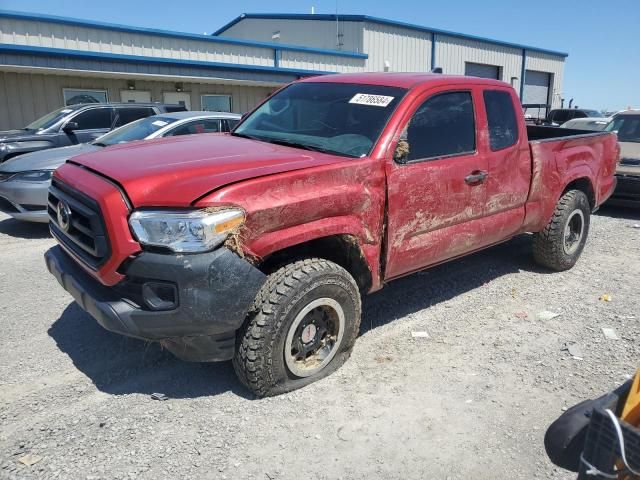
(372, 100)
(159, 123)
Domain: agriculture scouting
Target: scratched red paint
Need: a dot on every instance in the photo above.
(405, 217)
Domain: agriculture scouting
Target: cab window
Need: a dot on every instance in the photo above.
(444, 125)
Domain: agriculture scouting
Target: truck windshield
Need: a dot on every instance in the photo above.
(138, 130)
(49, 119)
(627, 127)
(338, 118)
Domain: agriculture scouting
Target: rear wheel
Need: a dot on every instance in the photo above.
(560, 244)
(302, 327)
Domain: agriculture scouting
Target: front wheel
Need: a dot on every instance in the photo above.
(302, 327)
(560, 244)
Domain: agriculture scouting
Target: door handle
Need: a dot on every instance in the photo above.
(476, 177)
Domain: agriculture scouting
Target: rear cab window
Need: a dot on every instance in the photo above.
(501, 119)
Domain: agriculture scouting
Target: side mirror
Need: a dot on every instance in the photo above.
(70, 127)
(401, 152)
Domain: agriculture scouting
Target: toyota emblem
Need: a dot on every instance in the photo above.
(64, 215)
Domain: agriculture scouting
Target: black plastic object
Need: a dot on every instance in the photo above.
(602, 446)
(214, 293)
(565, 438)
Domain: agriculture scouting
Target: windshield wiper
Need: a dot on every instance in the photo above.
(99, 144)
(289, 143)
(244, 135)
(305, 146)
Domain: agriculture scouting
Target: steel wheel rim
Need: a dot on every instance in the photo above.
(314, 337)
(573, 231)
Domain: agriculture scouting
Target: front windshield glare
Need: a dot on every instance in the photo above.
(138, 130)
(627, 127)
(338, 118)
(49, 119)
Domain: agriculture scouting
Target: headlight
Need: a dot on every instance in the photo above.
(185, 231)
(34, 176)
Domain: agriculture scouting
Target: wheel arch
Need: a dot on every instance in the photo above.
(585, 185)
(343, 249)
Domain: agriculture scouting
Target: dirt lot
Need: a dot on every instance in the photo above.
(470, 401)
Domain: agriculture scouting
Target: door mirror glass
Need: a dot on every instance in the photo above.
(70, 127)
(401, 153)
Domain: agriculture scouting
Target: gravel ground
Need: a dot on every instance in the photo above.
(472, 400)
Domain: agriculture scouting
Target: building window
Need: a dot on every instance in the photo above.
(73, 96)
(216, 103)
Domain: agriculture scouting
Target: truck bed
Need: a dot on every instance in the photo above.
(562, 155)
(538, 133)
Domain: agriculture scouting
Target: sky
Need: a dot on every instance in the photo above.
(601, 37)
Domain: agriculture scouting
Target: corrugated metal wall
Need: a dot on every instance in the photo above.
(73, 37)
(406, 50)
(25, 97)
(308, 33)
(323, 63)
(452, 53)
(543, 62)
(53, 35)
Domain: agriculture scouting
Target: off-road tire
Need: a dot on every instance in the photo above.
(548, 245)
(259, 360)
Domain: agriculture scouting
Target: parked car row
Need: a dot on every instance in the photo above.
(25, 179)
(75, 124)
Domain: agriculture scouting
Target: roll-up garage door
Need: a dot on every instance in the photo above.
(481, 70)
(536, 87)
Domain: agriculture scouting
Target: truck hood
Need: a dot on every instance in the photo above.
(45, 159)
(175, 172)
(17, 135)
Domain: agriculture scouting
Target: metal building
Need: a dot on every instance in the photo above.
(536, 73)
(48, 61)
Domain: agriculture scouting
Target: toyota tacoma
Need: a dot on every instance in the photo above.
(256, 245)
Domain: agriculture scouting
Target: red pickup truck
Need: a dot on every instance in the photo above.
(257, 245)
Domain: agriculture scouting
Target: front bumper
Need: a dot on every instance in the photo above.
(213, 293)
(627, 191)
(25, 200)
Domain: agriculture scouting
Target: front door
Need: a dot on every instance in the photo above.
(436, 184)
(178, 98)
(135, 96)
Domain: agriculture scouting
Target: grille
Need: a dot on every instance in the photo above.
(627, 185)
(7, 207)
(85, 233)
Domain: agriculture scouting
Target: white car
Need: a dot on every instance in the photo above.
(25, 179)
(595, 124)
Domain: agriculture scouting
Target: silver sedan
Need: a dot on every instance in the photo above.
(25, 180)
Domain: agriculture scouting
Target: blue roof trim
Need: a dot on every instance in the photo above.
(61, 52)
(382, 21)
(168, 33)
